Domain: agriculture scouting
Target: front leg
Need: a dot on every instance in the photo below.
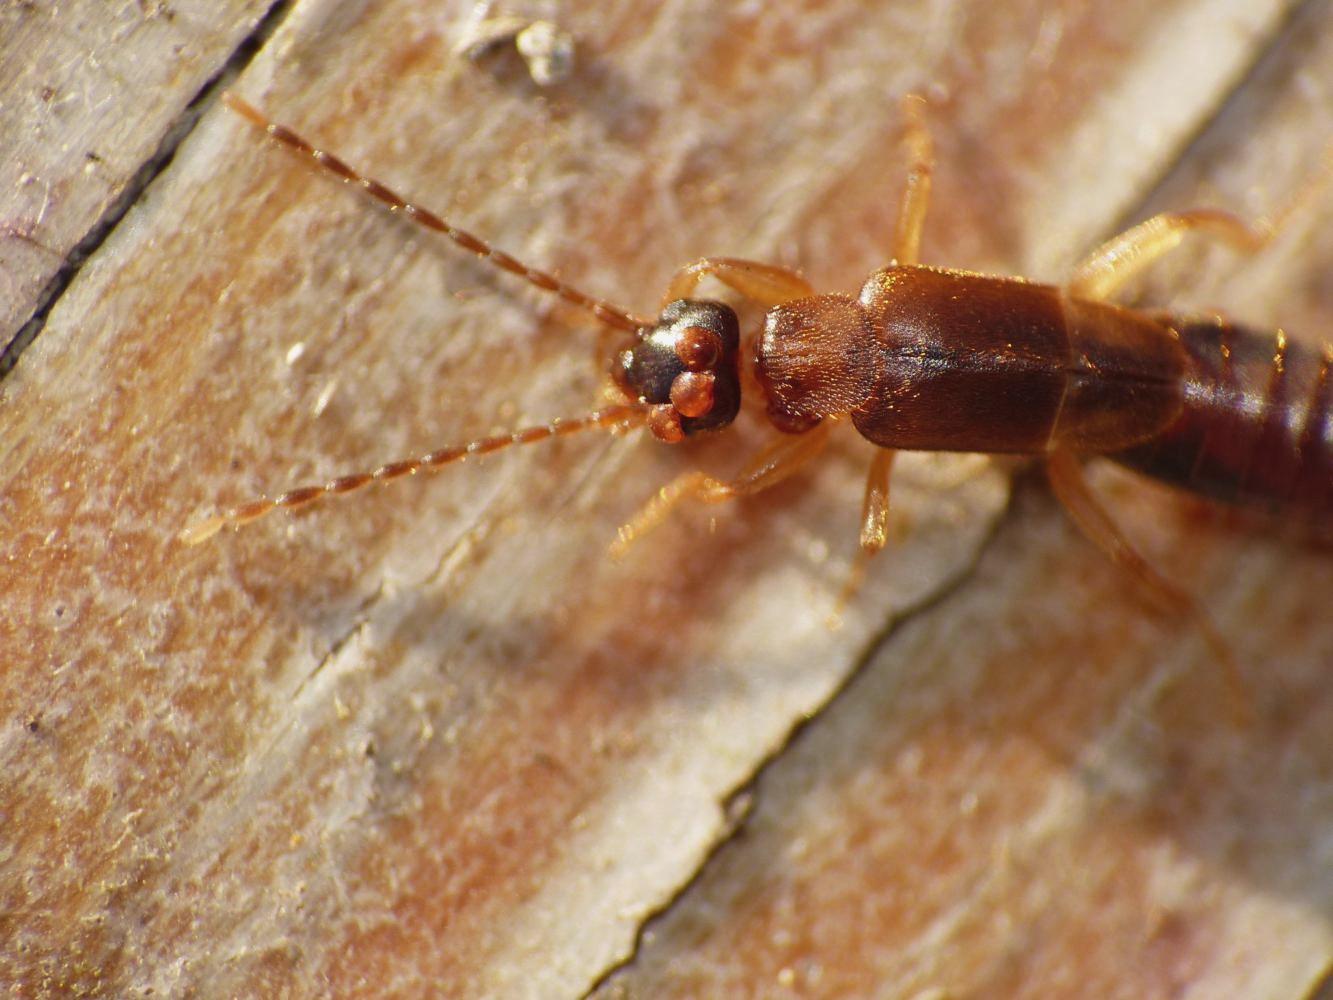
(780, 460)
(767, 284)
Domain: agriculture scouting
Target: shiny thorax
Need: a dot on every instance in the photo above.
(944, 360)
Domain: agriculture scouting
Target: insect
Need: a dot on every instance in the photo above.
(928, 358)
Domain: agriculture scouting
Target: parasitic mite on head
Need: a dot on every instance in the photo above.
(927, 358)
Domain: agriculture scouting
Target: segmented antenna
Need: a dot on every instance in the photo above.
(612, 416)
(611, 315)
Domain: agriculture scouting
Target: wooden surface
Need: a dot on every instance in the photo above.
(435, 741)
(90, 93)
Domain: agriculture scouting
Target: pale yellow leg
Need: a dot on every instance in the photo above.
(1123, 257)
(916, 192)
(874, 529)
(776, 462)
(767, 284)
(875, 505)
(1107, 269)
(1097, 525)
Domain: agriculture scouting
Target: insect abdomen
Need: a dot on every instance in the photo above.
(1256, 424)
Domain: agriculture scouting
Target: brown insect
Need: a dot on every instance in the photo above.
(936, 359)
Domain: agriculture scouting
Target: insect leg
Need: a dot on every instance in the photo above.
(1092, 519)
(774, 463)
(767, 284)
(1123, 257)
(916, 192)
(875, 506)
(771, 285)
(874, 529)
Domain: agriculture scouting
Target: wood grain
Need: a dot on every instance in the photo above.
(91, 94)
(435, 741)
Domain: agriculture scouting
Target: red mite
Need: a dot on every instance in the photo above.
(936, 359)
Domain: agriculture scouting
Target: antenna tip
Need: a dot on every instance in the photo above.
(200, 531)
(244, 108)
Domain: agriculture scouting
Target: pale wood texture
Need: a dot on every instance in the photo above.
(435, 741)
(89, 91)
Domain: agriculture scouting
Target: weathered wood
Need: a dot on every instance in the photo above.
(435, 740)
(89, 92)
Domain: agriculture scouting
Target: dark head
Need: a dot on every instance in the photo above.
(686, 368)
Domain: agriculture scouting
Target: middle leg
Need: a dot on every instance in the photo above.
(916, 192)
(874, 529)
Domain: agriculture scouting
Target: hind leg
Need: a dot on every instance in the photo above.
(1092, 519)
(1108, 268)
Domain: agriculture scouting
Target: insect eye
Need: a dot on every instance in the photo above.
(692, 393)
(698, 348)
